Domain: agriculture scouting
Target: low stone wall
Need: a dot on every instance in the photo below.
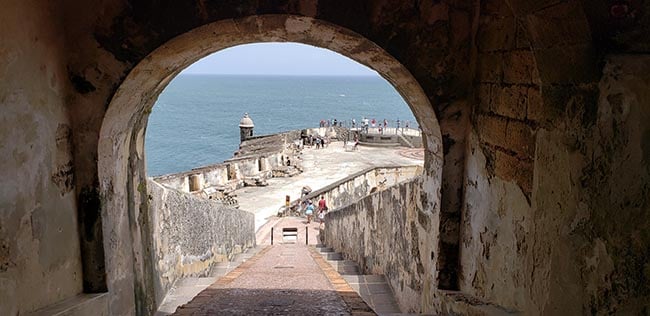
(366, 232)
(410, 138)
(190, 234)
(230, 174)
(362, 183)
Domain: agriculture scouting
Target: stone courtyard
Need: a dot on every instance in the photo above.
(320, 168)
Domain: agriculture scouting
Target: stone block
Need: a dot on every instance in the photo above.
(490, 67)
(520, 68)
(496, 33)
(510, 101)
(520, 138)
(509, 167)
(492, 129)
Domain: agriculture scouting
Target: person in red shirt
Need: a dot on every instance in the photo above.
(322, 205)
(322, 209)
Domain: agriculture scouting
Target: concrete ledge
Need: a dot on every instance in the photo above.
(82, 304)
(379, 144)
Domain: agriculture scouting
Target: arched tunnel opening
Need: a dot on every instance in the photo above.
(195, 120)
(533, 198)
(135, 98)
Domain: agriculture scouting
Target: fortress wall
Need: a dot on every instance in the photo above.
(366, 232)
(359, 185)
(217, 175)
(263, 152)
(190, 234)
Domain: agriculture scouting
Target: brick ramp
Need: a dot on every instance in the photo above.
(284, 279)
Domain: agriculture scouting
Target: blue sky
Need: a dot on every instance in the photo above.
(278, 59)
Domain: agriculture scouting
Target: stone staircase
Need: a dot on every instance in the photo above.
(373, 289)
(184, 290)
(405, 141)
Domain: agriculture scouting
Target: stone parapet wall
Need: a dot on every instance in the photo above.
(381, 233)
(190, 234)
(230, 173)
(362, 183)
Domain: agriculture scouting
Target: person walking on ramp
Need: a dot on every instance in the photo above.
(322, 209)
(309, 211)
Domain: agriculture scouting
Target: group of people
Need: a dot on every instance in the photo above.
(366, 123)
(322, 209)
(318, 141)
(332, 122)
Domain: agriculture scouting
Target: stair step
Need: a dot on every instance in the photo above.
(365, 278)
(347, 270)
(373, 289)
(333, 256)
(342, 263)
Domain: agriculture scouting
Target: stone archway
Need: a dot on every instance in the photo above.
(121, 162)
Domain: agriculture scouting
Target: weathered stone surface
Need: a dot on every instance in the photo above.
(497, 33)
(490, 67)
(377, 219)
(567, 65)
(521, 68)
(191, 234)
(492, 129)
(563, 237)
(560, 25)
(40, 256)
(511, 101)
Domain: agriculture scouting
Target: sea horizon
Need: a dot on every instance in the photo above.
(195, 120)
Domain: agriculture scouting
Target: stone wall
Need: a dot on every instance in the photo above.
(561, 227)
(366, 231)
(357, 186)
(190, 234)
(40, 261)
(230, 173)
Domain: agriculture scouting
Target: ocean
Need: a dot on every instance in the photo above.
(195, 120)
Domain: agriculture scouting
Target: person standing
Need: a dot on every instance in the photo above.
(309, 211)
(322, 209)
(322, 204)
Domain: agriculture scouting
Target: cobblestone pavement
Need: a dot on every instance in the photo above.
(287, 278)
